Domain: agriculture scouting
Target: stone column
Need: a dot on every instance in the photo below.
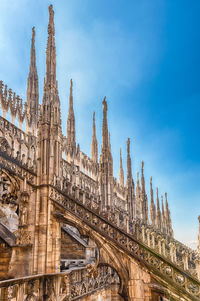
(171, 248)
(148, 237)
(138, 284)
(163, 247)
(185, 259)
(197, 263)
(153, 239)
(84, 197)
(143, 233)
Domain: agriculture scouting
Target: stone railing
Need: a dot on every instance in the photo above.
(175, 251)
(78, 184)
(106, 226)
(70, 285)
(17, 146)
(181, 255)
(13, 104)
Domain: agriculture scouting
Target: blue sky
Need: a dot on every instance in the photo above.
(144, 56)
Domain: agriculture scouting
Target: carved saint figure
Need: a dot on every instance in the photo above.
(24, 214)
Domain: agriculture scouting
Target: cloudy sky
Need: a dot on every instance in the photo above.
(144, 56)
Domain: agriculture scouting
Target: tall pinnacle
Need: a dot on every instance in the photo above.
(121, 171)
(163, 212)
(144, 201)
(157, 199)
(105, 142)
(166, 208)
(71, 101)
(168, 217)
(129, 168)
(33, 58)
(151, 191)
(142, 177)
(152, 205)
(50, 80)
(94, 144)
(71, 134)
(32, 94)
(158, 213)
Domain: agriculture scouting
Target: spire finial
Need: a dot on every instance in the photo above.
(51, 28)
(105, 135)
(152, 206)
(142, 167)
(162, 204)
(157, 198)
(158, 213)
(33, 60)
(32, 93)
(128, 146)
(94, 145)
(71, 96)
(129, 167)
(121, 171)
(93, 126)
(105, 104)
(50, 80)
(71, 133)
(166, 202)
(33, 33)
(142, 178)
(151, 190)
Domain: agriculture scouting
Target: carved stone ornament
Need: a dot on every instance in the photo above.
(24, 237)
(8, 188)
(9, 201)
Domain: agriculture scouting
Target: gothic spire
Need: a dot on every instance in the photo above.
(105, 142)
(138, 188)
(32, 94)
(168, 217)
(144, 201)
(131, 204)
(106, 163)
(94, 144)
(163, 220)
(50, 79)
(157, 200)
(158, 213)
(33, 57)
(71, 133)
(152, 205)
(121, 171)
(166, 207)
(142, 177)
(163, 212)
(129, 168)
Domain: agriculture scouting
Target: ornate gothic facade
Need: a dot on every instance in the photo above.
(68, 229)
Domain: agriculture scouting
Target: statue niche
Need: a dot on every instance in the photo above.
(9, 205)
(4, 145)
